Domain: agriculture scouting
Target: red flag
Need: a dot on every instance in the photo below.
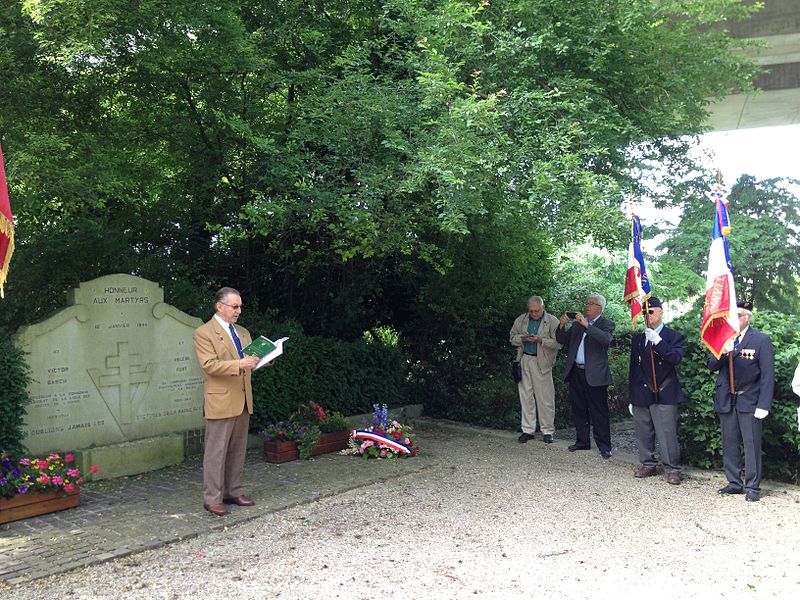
(637, 284)
(720, 322)
(6, 227)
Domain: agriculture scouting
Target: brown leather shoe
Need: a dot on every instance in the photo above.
(644, 471)
(216, 509)
(674, 478)
(239, 501)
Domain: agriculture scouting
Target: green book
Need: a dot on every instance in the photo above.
(259, 347)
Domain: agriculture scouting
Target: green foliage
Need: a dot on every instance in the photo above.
(699, 426)
(334, 421)
(490, 402)
(417, 164)
(14, 379)
(336, 159)
(345, 377)
(763, 243)
(308, 439)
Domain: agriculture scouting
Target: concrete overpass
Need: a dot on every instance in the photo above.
(778, 102)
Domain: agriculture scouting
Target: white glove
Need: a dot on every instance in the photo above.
(652, 336)
(630, 410)
(760, 413)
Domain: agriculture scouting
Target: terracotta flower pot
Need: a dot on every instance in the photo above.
(34, 503)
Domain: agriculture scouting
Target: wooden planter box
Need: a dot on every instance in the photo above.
(280, 452)
(33, 504)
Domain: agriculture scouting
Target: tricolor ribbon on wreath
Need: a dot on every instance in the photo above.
(381, 440)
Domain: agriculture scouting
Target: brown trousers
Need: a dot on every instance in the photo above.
(223, 458)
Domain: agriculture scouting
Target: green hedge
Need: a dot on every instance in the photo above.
(492, 400)
(699, 429)
(344, 376)
(14, 378)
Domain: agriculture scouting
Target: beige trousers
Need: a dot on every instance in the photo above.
(223, 457)
(536, 395)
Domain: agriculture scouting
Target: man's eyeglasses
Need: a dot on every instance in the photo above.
(233, 306)
(593, 304)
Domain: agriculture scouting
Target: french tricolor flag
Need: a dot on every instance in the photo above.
(720, 321)
(637, 284)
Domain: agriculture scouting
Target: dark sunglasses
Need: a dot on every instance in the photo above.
(651, 311)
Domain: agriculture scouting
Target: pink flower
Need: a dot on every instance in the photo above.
(41, 464)
(69, 458)
(73, 472)
(43, 479)
(93, 469)
(407, 441)
(383, 453)
(69, 487)
(366, 444)
(25, 462)
(58, 481)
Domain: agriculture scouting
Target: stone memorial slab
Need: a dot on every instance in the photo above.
(117, 365)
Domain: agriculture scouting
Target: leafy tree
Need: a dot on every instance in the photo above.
(764, 241)
(347, 163)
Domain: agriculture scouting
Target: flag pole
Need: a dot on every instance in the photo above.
(652, 356)
(731, 385)
(646, 309)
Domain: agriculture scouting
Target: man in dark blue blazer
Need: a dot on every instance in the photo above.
(654, 405)
(742, 409)
(587, 373)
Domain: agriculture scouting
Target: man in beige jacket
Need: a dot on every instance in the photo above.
(227, 402)
(534, 335)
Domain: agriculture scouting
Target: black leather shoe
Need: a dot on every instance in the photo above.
(547, 438)
(605, 454)
(575, 447)
(752, 496)
(525, 437)
(730, 489)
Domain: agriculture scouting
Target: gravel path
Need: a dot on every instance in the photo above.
(486, 518)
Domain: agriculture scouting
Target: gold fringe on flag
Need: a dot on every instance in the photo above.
(7, 230)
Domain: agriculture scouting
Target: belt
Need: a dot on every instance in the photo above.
(580, 366)
(528, 354)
